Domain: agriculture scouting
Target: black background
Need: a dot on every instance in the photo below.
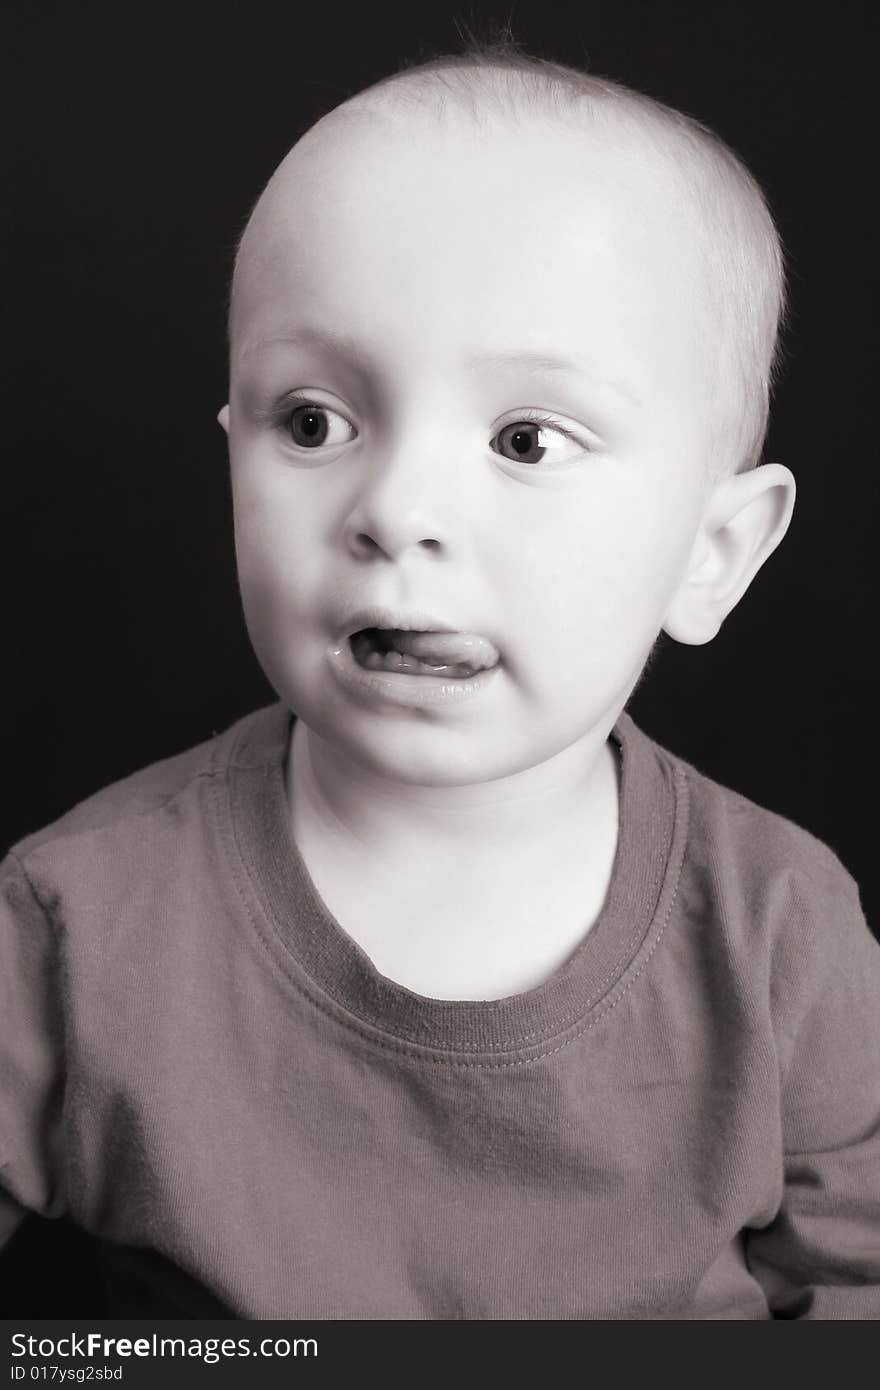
(139, 137)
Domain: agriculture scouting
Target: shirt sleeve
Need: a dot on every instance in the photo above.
(820, 1256)
(31, 1056)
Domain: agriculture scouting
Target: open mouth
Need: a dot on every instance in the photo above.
(455, 655)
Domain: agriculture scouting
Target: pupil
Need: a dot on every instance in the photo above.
(311, 424)
(521, 441)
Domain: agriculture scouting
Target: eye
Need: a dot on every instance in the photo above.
(537, 439)
(311, 424)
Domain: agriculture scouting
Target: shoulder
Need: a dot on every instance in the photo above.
(725, 823)
(768, 884)
(131, 812)
(729, 825)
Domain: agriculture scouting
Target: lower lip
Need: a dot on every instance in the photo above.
(398, 688)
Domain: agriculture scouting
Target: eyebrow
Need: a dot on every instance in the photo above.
(542, 363)
(342, 345)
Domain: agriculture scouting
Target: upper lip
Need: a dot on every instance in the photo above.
(403, 621)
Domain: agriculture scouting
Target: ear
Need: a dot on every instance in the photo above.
(745, 518)
(223, 417)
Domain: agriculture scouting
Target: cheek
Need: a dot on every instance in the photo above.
(592, 585)
(272, 540)
(272, 560)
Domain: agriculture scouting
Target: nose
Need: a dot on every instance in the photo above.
(403, 503)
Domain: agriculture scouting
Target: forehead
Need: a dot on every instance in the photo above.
(538, 234)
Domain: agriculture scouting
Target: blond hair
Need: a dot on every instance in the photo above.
(741, 247)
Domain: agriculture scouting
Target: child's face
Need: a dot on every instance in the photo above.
(450, 262)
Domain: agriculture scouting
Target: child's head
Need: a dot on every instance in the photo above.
(501, 338)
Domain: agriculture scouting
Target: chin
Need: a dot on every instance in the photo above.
(419, 753)
(416, 752)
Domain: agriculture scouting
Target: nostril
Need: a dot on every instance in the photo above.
(392, 543)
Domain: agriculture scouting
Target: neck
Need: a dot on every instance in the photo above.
(361, 811)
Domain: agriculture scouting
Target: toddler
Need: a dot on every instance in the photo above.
(437, 989)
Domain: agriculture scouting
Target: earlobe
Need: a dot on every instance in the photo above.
(223, 417)
(744, 521)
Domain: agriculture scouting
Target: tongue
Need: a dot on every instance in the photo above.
(446, 648)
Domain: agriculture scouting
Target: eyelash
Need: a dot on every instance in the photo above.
(279, 418)
(537, 417)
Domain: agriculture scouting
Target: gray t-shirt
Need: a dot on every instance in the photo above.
(201, 1067)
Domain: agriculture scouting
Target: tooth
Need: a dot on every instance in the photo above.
(374, 659)
(467, 649)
